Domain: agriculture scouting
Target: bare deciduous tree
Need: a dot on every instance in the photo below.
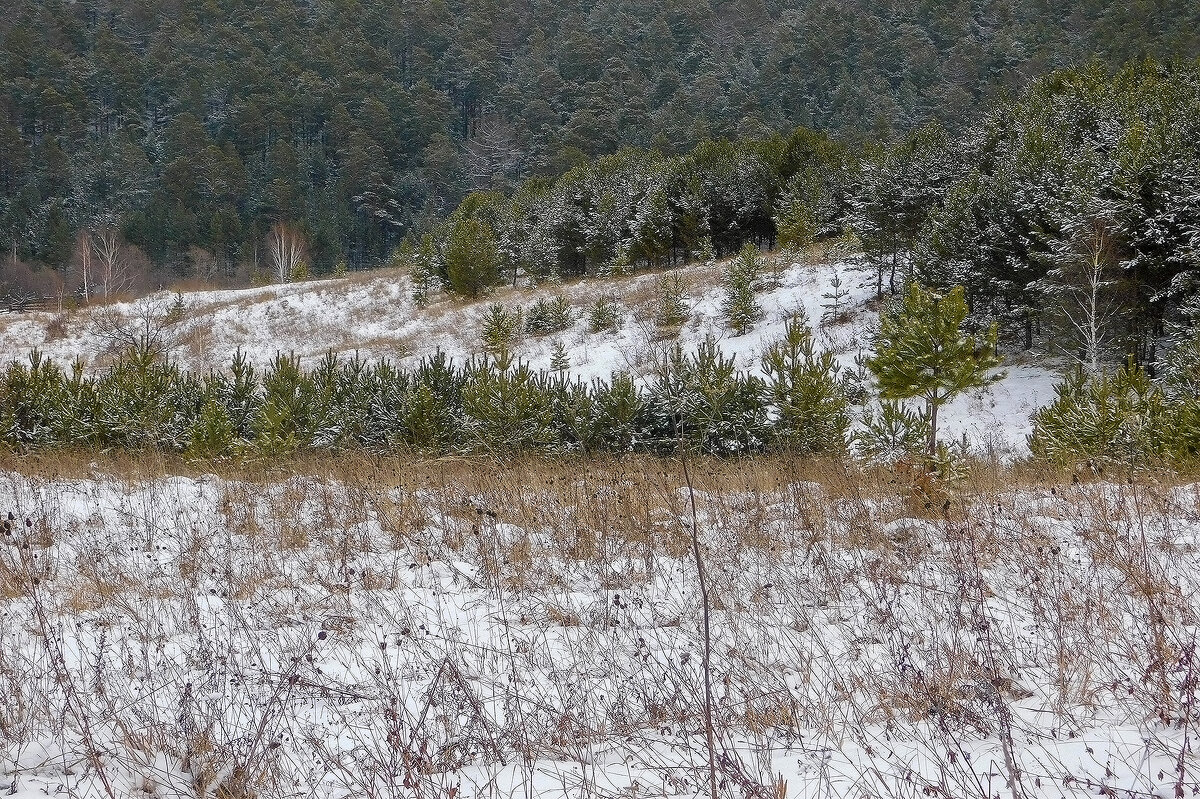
(83, 258)
(112, 270)
(150, 324)
(1084, 283)
(286, 246)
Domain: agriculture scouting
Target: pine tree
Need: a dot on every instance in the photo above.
(671, 307)
(500, 328)
(804, 386)
(892, 431)
(605, 314)
(921, 351)
(548, 316)
(472, 258)
(1122, 417)
(740, 307)
(423, 269)
(836, 295)
(560, 361)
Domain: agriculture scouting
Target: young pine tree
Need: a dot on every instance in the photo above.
(809, 398)
(671, 306)
(560, 361)
(922, 351)
(472, 258)
(423, 260)
(604, 314)
(740, 307)
(500, 327)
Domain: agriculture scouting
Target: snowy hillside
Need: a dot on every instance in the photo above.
(374, 316)
(458, 635)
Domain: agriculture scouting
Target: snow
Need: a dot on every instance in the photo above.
(372, 315)
(336, 639)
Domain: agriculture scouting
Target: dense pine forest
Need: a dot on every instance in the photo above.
(188, 130)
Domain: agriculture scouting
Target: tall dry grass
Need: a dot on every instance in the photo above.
(447, 628)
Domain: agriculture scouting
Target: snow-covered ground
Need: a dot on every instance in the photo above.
(450, 635)
(373, 315)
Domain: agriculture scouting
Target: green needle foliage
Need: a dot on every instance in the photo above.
(740, 307)
(1122, 417)
(803, 384)
(922, 352)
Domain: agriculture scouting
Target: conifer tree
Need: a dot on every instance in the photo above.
(423, 269)
(671, 306)
(604, 315)
(500, 328)
(560, 361)
(740, 307)
(804, 386)
(472, 259)
(922, 351)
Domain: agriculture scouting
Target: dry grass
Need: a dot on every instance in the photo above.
(455, 619)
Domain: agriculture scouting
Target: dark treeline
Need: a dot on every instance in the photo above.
(190, 129)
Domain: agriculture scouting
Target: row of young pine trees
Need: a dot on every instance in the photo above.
(799, 401)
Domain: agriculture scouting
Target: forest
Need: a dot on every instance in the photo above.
(186, 131)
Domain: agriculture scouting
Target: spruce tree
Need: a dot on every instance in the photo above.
(922, 351)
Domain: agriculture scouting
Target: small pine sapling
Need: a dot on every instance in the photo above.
(423, 269)
(834, 300)
(892, 432)
(739, 307)
(1122, 417)
(560, 361)
(812, 412)
(671, 309)
(548, 316)
(605, 314)
(299, 272)
(500, 327)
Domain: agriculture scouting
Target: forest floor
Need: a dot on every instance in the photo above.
(450, 629)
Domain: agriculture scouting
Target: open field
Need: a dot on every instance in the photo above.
(459, 629)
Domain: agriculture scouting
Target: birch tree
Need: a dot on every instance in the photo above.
(1083, 286)
(285, 248)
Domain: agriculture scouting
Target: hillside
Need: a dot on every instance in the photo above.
(373, 316)
(191, 128)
